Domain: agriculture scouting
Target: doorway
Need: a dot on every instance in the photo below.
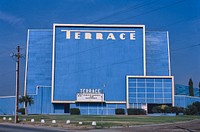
(66, 108)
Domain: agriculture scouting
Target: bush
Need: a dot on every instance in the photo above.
(156, 109)
(22, 111)
(197, 104)
(74, 111)
(177, 110)
(161, 109)
(133, 111)
(167, 109)
(119, 111)
(191, 110)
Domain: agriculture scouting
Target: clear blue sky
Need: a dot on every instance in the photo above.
(180, 17)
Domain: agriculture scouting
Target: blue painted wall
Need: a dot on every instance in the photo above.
(184, 90)
(7, 105)
(42, 101)
(39, 59)
(81, 63)
(184, 100)
(157, 53)
(182, 97)
(97, 108)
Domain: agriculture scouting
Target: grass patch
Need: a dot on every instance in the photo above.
(102, 121)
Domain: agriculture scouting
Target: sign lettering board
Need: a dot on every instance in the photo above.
(88, 56)
(89, 97)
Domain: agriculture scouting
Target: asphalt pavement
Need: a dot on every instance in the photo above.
(20, 128)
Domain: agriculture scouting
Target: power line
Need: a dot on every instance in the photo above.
(84, 51)
(125, 10)
(188, 47)
(153, 10)
(136, 6)
(177, 22)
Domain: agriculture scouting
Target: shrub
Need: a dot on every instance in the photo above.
(74, 111)
(22, 111)
(162, 109)
(156, 109)
(197, 104)
(167, 109)
(133, 111)
(191, 110)
(119, 111)
(177, 110)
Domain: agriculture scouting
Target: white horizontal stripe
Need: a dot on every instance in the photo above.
(99, 31)
(98, 25)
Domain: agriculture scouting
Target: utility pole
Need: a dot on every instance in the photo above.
(17, 83)
(17, 56)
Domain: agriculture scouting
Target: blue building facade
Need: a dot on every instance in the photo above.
(146, 91)
(97, 68)
(92, 67)
(182, 98)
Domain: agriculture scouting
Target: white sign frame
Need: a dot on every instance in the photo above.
(89, 97)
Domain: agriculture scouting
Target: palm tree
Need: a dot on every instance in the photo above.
(26, 100)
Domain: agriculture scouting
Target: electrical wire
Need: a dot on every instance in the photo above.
(188, 47)
(125, 10)
(144, 13)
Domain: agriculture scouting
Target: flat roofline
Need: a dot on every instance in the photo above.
(38, 29)
(99, 25)
(130, 76)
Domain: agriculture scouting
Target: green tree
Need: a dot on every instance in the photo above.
(26, 100)
(191, 89)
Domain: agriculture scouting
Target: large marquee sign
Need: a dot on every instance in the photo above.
(89, 97)
(88, 56)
